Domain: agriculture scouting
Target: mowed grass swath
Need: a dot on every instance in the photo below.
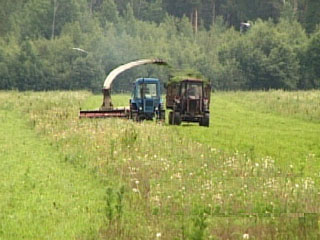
(254, 173)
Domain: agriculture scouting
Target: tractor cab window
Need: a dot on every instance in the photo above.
(194, 90)
(147, 90)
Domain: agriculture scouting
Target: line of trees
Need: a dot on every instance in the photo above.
(38, 40)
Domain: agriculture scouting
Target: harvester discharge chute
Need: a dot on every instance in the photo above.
(106, 109)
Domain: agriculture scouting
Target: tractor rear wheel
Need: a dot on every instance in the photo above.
(161, 115)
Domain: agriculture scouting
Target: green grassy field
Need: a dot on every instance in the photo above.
(42, 196)
(253, 173)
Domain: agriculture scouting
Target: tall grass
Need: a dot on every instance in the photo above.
(257, 124)
(165, 182)
(303, 105)
(41, 196)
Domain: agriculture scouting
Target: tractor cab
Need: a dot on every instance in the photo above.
(146, 102)
(191, 95)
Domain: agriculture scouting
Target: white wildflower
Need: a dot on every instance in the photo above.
(246, 236)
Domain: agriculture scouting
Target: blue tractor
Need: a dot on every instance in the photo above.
(146, 102)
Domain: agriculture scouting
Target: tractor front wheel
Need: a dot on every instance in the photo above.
(135, 116)
(171, 118)
(177, 118)
(174, 118)
(204, 121)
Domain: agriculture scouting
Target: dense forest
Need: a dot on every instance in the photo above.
(39, 41)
